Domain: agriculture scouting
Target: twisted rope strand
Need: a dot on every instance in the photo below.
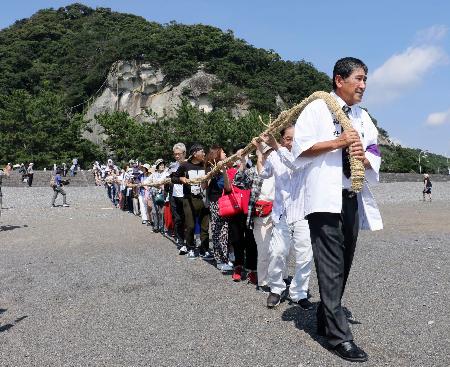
(284, 119)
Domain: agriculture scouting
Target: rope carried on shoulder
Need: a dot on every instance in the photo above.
(284, 119)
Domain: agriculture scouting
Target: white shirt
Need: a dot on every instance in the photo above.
(288, 187)
(323, 173)
(156, 177)
(267, 189)
(177, 190)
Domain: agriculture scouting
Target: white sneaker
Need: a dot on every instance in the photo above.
(231, 257)
(65, 205)
(183, 250)
(227, 267)
(191, 254)
(207, 256)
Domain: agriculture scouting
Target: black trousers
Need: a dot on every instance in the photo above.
(176, 208)
(194, 208)
(333, 238)
(243, 242)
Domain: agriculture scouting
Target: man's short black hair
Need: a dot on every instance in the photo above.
(344, 67)
(195, 148)
(282, 132)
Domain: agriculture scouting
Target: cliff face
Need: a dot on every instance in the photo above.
(142, 90)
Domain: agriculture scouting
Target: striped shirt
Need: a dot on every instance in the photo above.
(289, 187)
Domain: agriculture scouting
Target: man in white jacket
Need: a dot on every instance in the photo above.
(334, 212)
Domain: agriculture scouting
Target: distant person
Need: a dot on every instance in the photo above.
(30, 174)
(4, 173)
(193, 204)
(74, 167)
(157, 195)
(219, 225)
(8, 169)
(176, 195)
(144, 192)
(23, 172)
(57, 188)
(426, 186)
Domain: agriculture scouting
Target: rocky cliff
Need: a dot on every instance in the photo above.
(143, 91)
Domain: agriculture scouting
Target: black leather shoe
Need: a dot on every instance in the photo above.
(350, 352)
(273, 300)
(305, 304)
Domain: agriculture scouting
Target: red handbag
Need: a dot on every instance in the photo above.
(234, 203)
(230, 204)
(263, 208)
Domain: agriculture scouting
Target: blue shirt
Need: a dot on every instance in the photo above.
(58, 180)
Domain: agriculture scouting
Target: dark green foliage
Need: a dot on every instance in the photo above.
(72, 48)
(59, 58)
(400, 159)
(38, 129)
(148, 142)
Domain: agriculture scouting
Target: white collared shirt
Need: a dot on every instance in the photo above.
(177, 189)
(323, 173)
(288, 187)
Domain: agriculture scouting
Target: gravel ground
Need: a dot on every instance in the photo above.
(90, 286)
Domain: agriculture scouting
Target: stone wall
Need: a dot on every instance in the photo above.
(410, 177)
(42, 179)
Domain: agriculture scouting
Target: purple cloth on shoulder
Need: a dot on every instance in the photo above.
(374, 150)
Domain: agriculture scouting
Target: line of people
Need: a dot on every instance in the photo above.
(252, 243)
(297, 198)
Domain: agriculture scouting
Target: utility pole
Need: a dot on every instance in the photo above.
(424, 156)
(448, 167)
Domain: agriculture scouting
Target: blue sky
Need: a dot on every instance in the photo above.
(406, 46)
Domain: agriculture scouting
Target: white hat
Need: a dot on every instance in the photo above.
(146, 165)
(158, 162)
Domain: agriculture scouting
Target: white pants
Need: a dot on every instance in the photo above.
(285, 236)
(263, 233)
(143, 207)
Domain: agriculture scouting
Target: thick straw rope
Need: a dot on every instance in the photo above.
(284, 119)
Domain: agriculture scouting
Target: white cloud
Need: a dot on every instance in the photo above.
(403, 71)
(438, 118)
(407, 69)
(433, 34)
